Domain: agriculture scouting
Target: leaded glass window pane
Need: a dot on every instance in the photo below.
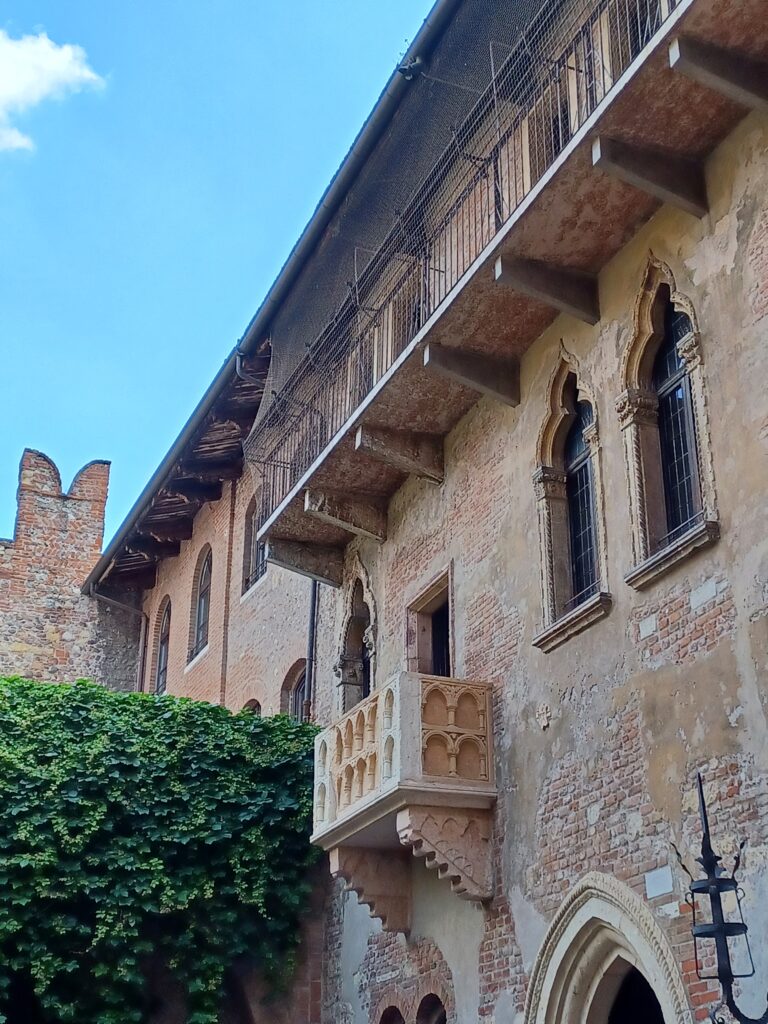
(677, 439)
(581, 515)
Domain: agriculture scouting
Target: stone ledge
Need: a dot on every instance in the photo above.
(589, 611)
(702, 535)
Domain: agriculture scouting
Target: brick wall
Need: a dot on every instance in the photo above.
(48, 629)
(256, 639)
(597, 742)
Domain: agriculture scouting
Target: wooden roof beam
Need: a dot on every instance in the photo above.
(419, 454)
(352, 513)
(151, 548)
(213, 471)
(194, 490)
(733, 75)
(567, 291)
(178, 529)
(497, 378)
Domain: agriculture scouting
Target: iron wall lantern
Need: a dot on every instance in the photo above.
(718, 921)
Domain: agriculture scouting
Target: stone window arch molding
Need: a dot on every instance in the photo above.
(600, 925)
(564, 612)
(355, 668)
(637, 407)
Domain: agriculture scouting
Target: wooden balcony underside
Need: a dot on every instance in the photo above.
(578, 217)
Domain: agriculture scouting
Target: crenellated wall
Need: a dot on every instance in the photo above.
(48, 629)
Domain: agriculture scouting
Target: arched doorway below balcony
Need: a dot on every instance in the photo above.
(634, 1001)
(391, 1016)
(431, 1011)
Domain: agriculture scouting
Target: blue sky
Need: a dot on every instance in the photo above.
(152, 183)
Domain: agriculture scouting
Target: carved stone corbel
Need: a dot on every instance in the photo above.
(381, 879)
(454, 842)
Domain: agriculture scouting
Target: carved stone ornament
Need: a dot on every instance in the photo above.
(600, 921)
(454, 842)
(544, 715)
(636, 405)
(549, 483)
(382, 881)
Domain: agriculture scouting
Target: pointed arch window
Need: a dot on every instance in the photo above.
(163, 646)
(202, 606)
(664, 421)
(677, 432)
(579, 490)
(569, 498)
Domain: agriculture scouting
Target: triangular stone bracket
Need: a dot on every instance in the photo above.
(454, 842)
(381, 879)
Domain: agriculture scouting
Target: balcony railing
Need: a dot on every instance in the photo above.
(418, 740)
(568, 60)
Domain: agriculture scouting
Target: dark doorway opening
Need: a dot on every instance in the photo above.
(441, 640)
(635, 1002)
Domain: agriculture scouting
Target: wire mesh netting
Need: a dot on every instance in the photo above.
(508, 85)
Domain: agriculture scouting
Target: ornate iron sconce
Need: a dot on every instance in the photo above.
(719, 925)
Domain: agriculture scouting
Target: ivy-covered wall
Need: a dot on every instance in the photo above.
(141, 834)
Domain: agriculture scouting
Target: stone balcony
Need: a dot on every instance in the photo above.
(638, 137)
(408, 770)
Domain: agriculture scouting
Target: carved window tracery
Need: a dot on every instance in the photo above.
(664, 421)
(356, 665)
(569, 498)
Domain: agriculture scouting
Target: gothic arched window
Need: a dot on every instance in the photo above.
(665, 425)
(677, 435)
(580, 496)
(569, 498)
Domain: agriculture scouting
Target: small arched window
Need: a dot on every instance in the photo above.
(202, 607)
(677, 435)
(580, 496)
(254, 551)
(254, 707)
(163, 642)
(298, 697)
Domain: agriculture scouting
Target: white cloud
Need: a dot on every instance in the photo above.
(33, 69)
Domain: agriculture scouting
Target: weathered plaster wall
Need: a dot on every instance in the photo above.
(48, 629)
(674, 679)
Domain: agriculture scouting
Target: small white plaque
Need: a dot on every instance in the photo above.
(659, 882)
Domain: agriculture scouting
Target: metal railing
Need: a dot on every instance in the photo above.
(553, 79)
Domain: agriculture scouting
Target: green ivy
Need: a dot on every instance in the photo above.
(135, 826)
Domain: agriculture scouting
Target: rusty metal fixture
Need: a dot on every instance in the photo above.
(720, 923)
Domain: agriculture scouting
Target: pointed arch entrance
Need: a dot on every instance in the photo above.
(605, 955)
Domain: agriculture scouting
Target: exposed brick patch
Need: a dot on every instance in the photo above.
(400, 973)
(685, 623)
(491, 638)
